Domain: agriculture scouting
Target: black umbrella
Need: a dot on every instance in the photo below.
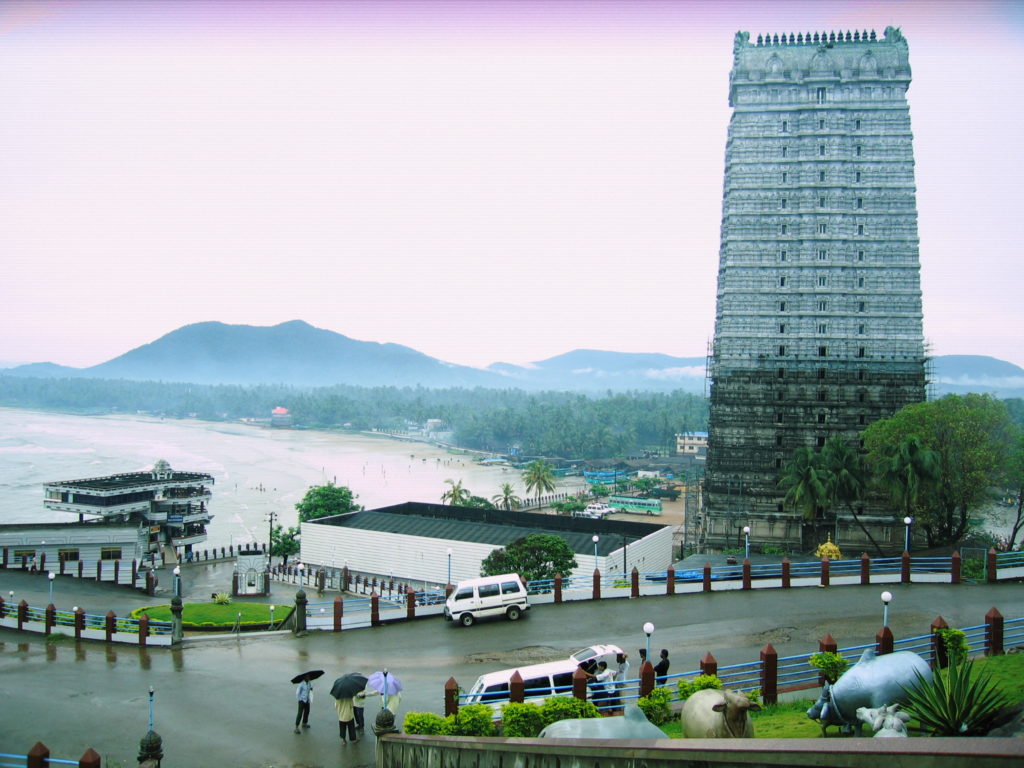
(313, 674)
(347, 686)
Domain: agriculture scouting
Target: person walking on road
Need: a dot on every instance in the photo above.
(661, 668)
(304, 696)
(346, 719)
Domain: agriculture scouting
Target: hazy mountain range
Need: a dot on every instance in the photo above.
(298, 354)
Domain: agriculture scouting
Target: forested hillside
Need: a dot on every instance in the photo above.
(546, 423)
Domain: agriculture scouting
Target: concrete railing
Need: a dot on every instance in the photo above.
(401, 750)
(84, 626)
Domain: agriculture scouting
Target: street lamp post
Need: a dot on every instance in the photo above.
(886, 599)
(177, 580)
(51, 576)
(746, 538)
(449, 566)
(595, 538)
(906, 539)
(648, 630)
(271, 616)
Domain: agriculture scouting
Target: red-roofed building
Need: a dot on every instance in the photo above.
(280, 418)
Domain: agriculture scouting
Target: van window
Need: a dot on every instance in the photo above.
(537, 686)
(509, 587)
(494, 692)
(488, 590)
(563, 682)
(464, 594)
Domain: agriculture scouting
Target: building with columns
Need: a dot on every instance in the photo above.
(818, 328)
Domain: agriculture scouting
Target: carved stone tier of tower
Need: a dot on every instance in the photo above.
(818, 326)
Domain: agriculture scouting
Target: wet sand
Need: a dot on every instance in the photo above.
(256, 469)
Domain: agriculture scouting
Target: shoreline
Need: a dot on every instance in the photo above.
(256, 471)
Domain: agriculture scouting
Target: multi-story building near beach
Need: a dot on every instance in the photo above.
(818, 330)
(172, 507)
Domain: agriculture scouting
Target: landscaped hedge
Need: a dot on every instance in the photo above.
(213, 617)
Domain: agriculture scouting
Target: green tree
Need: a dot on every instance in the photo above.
(326, 501)
(567, 507)
(1015, 480)
(456, 495)
(805, 483)
(539, 478)
(284, 543)
(479, 502)
(845, 479)
(535, 557)
(906, 471)
(506, 498)
(971, 435)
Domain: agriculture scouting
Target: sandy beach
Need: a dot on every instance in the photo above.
(257, 470)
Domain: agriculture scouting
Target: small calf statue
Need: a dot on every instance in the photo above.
(714, 714)
(874, 681)
(885, 721)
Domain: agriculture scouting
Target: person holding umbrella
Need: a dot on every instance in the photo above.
(304, 696)
(344, 691)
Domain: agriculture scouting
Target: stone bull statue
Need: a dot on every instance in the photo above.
(715, 714)
(632, 725)
(874, 681)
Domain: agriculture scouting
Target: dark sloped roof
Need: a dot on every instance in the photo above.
(497, 527)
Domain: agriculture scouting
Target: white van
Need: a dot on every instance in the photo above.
(487, 596)
(553, 678)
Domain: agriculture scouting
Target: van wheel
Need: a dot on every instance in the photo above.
(466, 619)
(512, 612)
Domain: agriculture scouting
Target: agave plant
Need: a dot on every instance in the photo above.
(956, 703)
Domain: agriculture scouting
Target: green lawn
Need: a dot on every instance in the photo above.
(208, 615)
(789, 720)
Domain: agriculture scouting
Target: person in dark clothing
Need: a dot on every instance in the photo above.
(661, 668)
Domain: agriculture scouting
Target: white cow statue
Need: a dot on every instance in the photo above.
(631, 725)
(886, 722)
(715, 714)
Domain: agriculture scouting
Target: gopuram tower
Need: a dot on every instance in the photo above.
(818, 325)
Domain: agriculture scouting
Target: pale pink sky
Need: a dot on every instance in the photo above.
(481, 181)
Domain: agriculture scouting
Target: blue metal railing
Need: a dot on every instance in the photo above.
(1010, 559)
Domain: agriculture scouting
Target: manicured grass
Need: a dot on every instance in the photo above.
(788, 720)
(205, 615)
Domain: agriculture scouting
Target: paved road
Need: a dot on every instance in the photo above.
(229, 703)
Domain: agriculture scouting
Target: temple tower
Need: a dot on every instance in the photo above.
(818, 324)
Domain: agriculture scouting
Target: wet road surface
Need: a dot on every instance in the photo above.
(229, 702)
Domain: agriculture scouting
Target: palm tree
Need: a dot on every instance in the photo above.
(539, 478)
(846, 479)
(456, 496)
(506, 498)
(906, 472)
(805, 483)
